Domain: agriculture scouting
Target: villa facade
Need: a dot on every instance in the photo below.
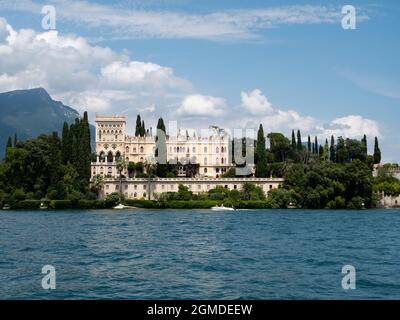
(211, 153)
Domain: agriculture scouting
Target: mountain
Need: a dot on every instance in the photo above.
(32, 112)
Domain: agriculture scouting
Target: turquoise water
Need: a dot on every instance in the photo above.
(200, 254)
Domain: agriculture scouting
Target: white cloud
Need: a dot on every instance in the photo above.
(82, 75)
(4, 31)
(259, 110)
(353, 126)
(220, 25)
(199, 105)
(137, 73)
(255, 102)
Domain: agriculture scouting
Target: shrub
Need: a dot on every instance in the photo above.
(338, 203)
(140, 203)
(254, 204)
(113, 199)
(18, 195)
(191, 204)
(26, 204)
(355, 203)
(91, 204)
(60, 204)
(75, 197)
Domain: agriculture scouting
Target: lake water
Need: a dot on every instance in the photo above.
(200, 254)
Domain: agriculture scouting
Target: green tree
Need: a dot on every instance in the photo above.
(261, 154)
(332, 150)
(121, 166)
(299, 143)
(9, 144)
(341, 151)
(143, 129)
(309, 144)
(66, 144)
(326, 150)
(364, 142)
(377, 152)
(280, 146)
(138, 126)
(294, 144)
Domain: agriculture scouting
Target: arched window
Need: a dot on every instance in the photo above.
(205, 149)
(127, 149)
(217, 150)
(134, 150)
(217, 161)
(205, 170)
(110, 157)
(222, 149)
(141, 149)
(222, 160)
(109, 170)
(117, 155)
(194, 149)
(205, 160)
(102, 157)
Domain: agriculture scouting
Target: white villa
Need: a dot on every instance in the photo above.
(212, 153)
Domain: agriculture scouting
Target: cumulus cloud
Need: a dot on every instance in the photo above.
(82, 75)
(199, 105)
(260, 110)
(4, 30)
(352, 126)
(255, 102)
(137, 73)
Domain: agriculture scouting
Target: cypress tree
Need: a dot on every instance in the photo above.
(138, 126)
(332, 150)
(309, 144)
(160, 124)
(85, 151)
(299, 143)
(65, 144)
(261, 154)
(161, 148)
(321, 151)
(142, 129)
(293, 140)
(364, 142)
(377, 152)
(316, 145)
(326, 149)
(55, 160)
(9, 144)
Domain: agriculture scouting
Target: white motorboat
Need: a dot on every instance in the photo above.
(121, 206)
(222, 208)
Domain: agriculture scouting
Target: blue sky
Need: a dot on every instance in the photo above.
(287, 64)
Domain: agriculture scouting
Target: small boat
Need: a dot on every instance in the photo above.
(121, 206)
(222, 208)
